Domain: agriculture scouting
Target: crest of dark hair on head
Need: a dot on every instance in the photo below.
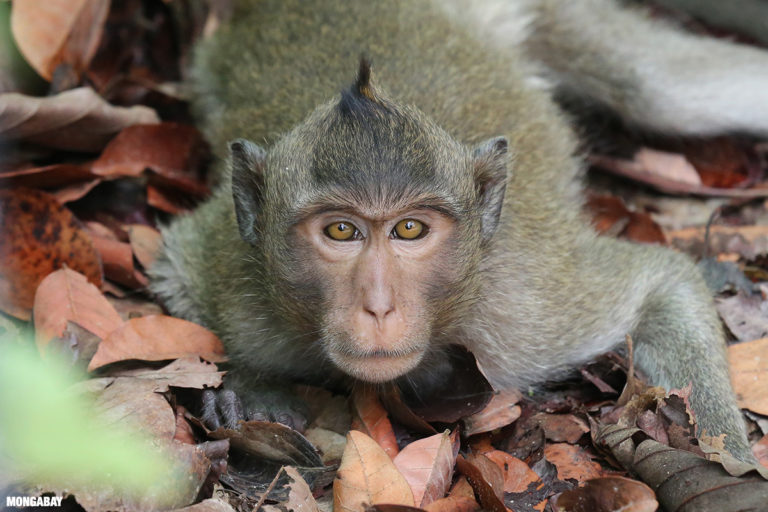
(361, 97)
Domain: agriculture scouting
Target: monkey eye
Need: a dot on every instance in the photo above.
(409, 229)
(342, 231)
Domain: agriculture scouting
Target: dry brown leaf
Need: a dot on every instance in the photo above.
(300, 497)
(370, 417)
(427, 465)
(486, 480)
(607, 494)
(272, 441)
(185, 372)
(137, 402)
(209, 505)
(683, 481)
(38, 236)
(184, 432)
(561, 427)
(171, 150)
(75, 120)
(53, 32)
(748, 241)
(501, 411)
(611, 217)
(760, 449)
(368, 476)
(517, 474)
(329, 444)
(145, 242)
(117, 258)
(66, 295)
(133, 306)
(572, 462)
(671, 166)
(49, 176)
(462, 489)
(166, 200)
(745, 315)
(157, 338)
(453, 504)
(72, 193)
(633, 170)
(749, 374)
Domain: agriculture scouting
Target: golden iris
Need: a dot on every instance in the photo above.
(409, 229)
(341, 231)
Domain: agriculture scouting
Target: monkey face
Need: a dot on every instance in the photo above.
(371, 220)
(379, 275)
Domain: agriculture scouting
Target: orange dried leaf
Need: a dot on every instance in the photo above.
(53, 32)
(169, 149)
(118, 262)
(572, 462)
(749, 374)
(38, 236)
(66, 295)
(368, 476)
(145, 242)
(562, 427)
(517, 474)
(462, 489)
(427, 465)
(157, 338)
(501, 411)
(370, 417)
(453, 504)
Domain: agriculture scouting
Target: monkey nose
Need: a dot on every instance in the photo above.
(379, 310)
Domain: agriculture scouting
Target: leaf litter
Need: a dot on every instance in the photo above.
(74, 249)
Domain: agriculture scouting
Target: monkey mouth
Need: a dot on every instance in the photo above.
(378, 365)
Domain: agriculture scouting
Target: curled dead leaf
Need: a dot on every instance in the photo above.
(75, 120)
(486, 480)
(157, 338)
(370, 417)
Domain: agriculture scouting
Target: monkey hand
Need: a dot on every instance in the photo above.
(225, 408)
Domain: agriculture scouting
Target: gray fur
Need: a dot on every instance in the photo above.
(539, 293)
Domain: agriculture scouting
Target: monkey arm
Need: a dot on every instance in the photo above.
(680, 341)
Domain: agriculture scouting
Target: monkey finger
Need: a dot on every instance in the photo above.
(229, 408)
(208, 413)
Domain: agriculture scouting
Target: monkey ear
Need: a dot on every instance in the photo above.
(490, 167)
(248, 161)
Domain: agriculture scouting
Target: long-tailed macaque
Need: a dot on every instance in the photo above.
(436, 201)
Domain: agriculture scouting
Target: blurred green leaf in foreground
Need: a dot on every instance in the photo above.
(50, 436)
